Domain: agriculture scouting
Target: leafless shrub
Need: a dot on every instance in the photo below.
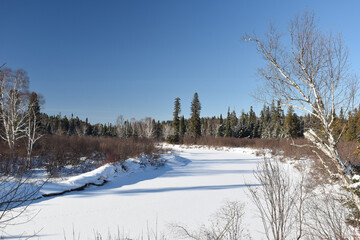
(327, 217)
(280, 201)
(287, 149)
(347, 151)
(59, 151)
(17, 192)
(227, 223)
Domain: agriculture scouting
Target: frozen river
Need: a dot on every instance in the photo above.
(188, 190)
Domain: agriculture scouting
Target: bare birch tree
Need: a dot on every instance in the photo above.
(13, 104)
(119, 127)
(311, 73)
(148, 127)
(18, 120)
(32, 133)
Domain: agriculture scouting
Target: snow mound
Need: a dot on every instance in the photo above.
(108, 172)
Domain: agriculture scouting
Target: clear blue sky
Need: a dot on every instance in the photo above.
(102, 59)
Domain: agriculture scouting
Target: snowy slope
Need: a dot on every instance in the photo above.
(188, 189)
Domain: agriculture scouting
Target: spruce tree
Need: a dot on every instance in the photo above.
(64, 126)
(195, 121)
(228, 125)
(176, 120)
(353, 127)
(233, 122)
(277, 120)
(290, 125)
(252, 122)
(71, 125)
(220, 129)
(34, 105)
(182, 126)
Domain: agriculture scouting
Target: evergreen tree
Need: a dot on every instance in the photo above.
(228, 125)
(243, 128)
(277, 120)
(64, 126)
(292, 124)
(233, 122)
(34, 110)
(182, 126)
(265, 122)
(71, 129)
(34, 105)
(353, 127)
(89, 129)
(195, 122)
(211, 126)
(252, 122)
(156, 129)
(256, 129)
(176, 120)
(220, 129)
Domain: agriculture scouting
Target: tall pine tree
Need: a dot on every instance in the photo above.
(182, 126)
(176, 120)
(195, 121)
(292, 124)
(228, 131)
(220, 129)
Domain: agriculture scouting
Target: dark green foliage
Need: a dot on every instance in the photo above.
(176, 120)
(292, 126)
(173, 139)
(233, 121)
(277, 121)
(220, 128)
(265, 119)
(228, 131)
(195, 121)
(353, 127)
(34, 112)
(182, 126)
(34, 104)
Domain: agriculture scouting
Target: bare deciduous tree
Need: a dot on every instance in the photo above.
(119, 126)
(13, 104)
(16, 194)
(31, 132)
(227, 224)
(311, 73)
(148, 127)
(327, 217)
(18, 120)
(280, 201)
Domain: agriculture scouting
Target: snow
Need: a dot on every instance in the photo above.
(356, 178)
(191, 186)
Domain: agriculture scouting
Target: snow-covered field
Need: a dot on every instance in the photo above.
(192, 185)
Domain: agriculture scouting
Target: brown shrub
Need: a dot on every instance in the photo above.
(58, 151)
(347, 151)
(286, 148)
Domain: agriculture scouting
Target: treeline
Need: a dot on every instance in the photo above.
(25, 131)
(272, 122)
(73, 126)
